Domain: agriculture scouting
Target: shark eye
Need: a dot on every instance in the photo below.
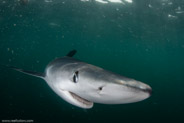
(76, 77)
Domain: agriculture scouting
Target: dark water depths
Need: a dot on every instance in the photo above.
(141, 39)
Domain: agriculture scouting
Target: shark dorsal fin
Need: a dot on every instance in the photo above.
(71, 53)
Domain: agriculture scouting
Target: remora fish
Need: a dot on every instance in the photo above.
(83, 84)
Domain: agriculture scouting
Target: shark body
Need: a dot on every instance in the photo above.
(83, 84)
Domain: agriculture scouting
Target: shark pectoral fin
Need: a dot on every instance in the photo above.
(75, 99)
(71, 53)
(32, 73)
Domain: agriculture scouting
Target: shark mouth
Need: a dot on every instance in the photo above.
(82, 102)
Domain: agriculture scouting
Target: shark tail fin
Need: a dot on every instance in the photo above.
(32, 73)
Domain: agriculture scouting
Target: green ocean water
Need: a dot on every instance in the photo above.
(140, 39)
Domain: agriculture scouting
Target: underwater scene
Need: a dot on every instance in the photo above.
(138, 39)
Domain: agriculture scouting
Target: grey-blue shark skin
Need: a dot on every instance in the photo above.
(83, 84)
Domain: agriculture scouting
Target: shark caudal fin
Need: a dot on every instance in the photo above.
(32, 73)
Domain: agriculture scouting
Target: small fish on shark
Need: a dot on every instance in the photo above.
(82, 84)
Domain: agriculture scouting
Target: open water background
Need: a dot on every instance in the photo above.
(141, 39)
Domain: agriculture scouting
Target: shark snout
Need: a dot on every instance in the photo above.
(139, 86)
(148, 90)
(135, 85)
(123, 90)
